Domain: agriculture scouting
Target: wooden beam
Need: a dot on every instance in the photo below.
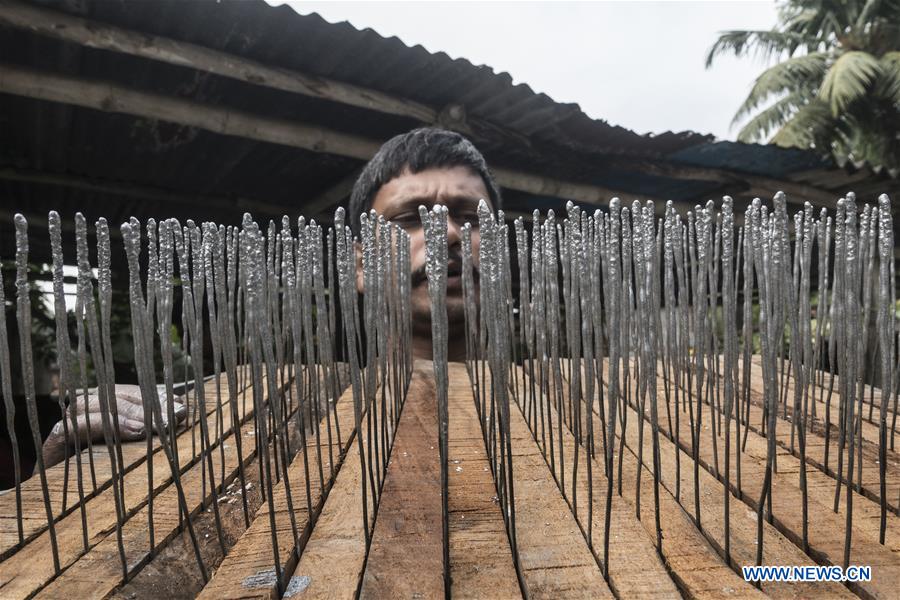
(109, 97)
(765, 187)
(94, 34)
(42, 222)
(833, 177)
(113, 98)
(405, 556)
(578, 192)
(330, 198)
(480, 554)
(141, 192)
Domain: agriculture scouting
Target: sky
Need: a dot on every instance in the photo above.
(640, 65)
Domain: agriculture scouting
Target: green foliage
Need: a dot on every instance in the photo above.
(43, 326)
(835, 87)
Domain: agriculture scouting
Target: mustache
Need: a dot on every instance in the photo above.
(454, 263)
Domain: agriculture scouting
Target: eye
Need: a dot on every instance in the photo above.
(470, 217)
(466, 216)
(407, 220)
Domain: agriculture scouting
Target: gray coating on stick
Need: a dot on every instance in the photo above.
(23, 320)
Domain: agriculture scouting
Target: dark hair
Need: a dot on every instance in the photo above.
(417, 150)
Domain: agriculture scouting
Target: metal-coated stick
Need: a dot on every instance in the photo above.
(23, 314)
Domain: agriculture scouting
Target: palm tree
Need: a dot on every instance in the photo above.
(836, 85)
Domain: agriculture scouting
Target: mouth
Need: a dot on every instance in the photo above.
(454, 276)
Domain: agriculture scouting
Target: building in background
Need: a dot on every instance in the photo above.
(207, 110)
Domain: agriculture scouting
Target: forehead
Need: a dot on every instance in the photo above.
(451, 186)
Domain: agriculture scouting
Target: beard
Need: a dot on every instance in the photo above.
(421, 309)
(421, 302)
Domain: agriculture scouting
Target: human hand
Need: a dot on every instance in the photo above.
(89, 420)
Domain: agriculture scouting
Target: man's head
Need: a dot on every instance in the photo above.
(426, 167)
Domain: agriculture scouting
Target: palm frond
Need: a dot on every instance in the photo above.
(888, 86)
(848, 79)
(838, 92)
(764, 44)
(772, 118)
(807, 128)
(801, 74)
(869, 10)
(823, 20)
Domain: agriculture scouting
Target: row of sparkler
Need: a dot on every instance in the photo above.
(608, 305)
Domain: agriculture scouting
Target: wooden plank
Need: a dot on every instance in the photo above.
(869, 391)
(777, 549)
(696, 567)
(333, 559)
(635, 567)
(406, 551)
(691, 563)
(480, 556)
(554, 556)
(248, 569)
(98, 573)
(29, 569)
(33, 512)
(826, 531)
(815, 446)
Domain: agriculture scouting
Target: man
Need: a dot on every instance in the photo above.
(425, 166)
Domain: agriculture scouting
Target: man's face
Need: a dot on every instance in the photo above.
(457, 188)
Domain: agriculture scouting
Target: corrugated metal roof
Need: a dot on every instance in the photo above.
(524, 130)
(757, 159)
(307, 43)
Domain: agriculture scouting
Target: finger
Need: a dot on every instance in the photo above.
(178, 409)
(130, 410)
(130, 429)
(79, 403)
(180, 412)
(93, 402)
(130, 394)
(96, 429)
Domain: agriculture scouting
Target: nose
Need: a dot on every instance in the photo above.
(454, 231)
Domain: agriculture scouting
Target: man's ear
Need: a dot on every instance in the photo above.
(357, 248)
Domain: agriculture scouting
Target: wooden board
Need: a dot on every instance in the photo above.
(99, 572)
(406, 551)
(777, 550)
(826, 533)
(869, 391)
(248, 571)
(554, 556)
(691, 561)
(694, 564)
(33, 511)
(815, 450)
(480, 557)
(333, 559)
(31, 568)
(636, 570)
